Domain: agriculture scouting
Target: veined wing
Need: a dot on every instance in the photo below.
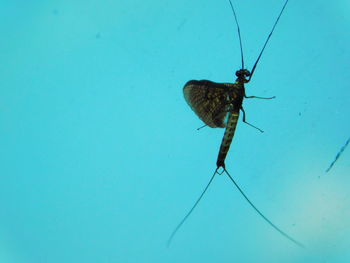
(209, 100)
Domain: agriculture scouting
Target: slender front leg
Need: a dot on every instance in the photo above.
(248, 122)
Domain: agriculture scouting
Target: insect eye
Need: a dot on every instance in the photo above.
(237, 73)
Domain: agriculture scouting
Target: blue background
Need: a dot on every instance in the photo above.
(99, 153)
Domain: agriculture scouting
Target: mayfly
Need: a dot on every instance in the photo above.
(218, 105)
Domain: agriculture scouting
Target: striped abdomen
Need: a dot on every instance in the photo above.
(228, 136)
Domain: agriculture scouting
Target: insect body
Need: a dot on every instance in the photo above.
(218, 105)
(216, 102)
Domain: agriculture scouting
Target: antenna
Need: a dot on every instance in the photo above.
(239, 33)
(267, 40)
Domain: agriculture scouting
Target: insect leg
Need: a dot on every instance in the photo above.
(202, 127)
(263, 98)
(248, 122)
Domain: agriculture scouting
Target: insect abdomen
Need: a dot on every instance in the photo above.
(227, 139)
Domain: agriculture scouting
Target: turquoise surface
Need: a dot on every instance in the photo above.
(99, 153)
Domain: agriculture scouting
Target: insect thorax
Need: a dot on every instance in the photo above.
(235, 94)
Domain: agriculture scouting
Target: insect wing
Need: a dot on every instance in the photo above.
(209, 100)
